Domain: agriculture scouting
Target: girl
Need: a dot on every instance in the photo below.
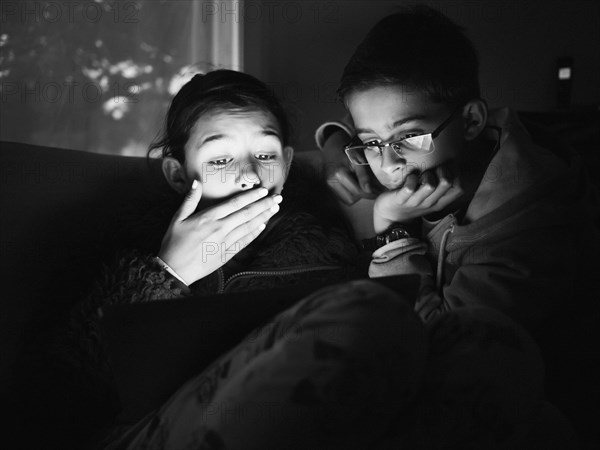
(249, 219)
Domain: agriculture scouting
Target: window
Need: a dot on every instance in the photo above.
(99, 75)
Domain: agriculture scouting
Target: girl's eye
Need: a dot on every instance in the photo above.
(266, 157)
(409, 135)
(221, 162)
(373, 143)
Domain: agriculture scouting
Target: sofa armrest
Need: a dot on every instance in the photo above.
(360, 214)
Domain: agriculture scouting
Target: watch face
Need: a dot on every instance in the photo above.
(397, 234)
(392, 235)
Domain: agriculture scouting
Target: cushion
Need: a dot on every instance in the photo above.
(62, 217)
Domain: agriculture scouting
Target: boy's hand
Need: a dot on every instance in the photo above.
(431, 192)
(198, 243)
(349, 183)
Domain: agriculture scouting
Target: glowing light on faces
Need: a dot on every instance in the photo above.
(388, 114)
(234, 151)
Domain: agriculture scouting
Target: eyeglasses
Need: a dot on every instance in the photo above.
(359, 154)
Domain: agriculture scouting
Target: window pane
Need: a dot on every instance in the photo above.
(99, 75)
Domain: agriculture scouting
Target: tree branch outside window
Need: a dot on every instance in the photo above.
(99, 75)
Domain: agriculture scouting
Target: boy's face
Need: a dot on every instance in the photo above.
(385, 114)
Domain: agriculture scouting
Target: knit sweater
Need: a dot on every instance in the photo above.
(308, 241)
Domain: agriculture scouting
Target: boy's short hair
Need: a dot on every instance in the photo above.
(418, 48)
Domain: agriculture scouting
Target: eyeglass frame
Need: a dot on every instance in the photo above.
(434, 134)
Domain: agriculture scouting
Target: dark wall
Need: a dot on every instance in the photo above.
(301, 47)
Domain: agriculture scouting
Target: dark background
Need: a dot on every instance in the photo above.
(301, 47)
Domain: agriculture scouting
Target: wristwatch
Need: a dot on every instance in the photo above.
(393, 233)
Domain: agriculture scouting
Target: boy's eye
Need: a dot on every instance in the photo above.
(372, 152)
(409, 135)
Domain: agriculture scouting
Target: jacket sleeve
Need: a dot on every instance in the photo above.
(134, 278)
(525, 276)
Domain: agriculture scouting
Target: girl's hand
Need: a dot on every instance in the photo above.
(197, 244)
(431, 192)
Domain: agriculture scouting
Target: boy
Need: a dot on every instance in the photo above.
(468, 200)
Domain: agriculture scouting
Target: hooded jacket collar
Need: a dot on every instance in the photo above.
(518, 166)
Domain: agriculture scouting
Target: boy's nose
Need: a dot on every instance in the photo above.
(390, 161)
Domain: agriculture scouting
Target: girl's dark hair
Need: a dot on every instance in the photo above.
(418, 48)
(216, 91)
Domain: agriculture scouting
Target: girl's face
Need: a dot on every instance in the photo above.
(231, 152)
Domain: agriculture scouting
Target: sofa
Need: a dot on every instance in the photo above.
(65, 212)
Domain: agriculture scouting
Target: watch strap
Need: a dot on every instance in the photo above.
(393, 233)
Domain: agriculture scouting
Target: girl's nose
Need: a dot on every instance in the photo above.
(248, 176)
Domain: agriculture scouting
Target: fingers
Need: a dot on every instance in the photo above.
(447, 190)
(190, 202)
(242, 243)
(417, 190)
(444, 184)
(238, 202)
(242, 235)
(252, 215)
(455, 186)
(405, 193)
(345, 186)
(411, 183)
(432, 190)
(363, 174)
(245, 233)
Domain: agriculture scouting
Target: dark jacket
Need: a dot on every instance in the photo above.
(527, 243)
(308, 241)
